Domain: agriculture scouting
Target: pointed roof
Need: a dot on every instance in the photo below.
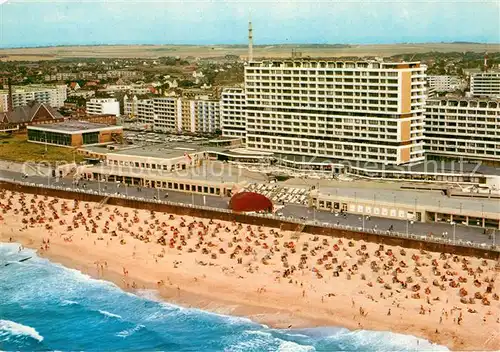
(34, 111)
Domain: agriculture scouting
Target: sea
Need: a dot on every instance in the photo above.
(47, 307)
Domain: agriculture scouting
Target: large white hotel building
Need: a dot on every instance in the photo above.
(366, 111)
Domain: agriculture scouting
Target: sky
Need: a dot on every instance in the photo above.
(27, 23)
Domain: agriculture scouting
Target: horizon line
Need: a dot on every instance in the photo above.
(255, 45)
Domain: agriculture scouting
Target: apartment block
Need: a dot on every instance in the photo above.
(130, 106)
(485, 84)
(460, 128)
(61, 76)
(232, 110)
(365, 111)
(141, 109)
(207, 116)
(444, 83)
(103, 106)
(4, 102)
(165, 114)
(186, 120)
(51, 95)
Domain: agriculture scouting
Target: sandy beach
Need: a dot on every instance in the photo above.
(279, 278)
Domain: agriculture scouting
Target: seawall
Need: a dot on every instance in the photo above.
(213, 213)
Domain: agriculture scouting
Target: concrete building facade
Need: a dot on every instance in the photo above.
(141, 109)
(463, 128)
(172, 114)
(73, 133)
(485, 84)
(232, 110)
(366, 111)
(444, 83)
(103, 106)
(51, 95)
(4, 102)
(165, 114)
(206, 116)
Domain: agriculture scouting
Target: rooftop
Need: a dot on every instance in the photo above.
(332, 63)
(429, 166)
(211, 172)
(72, 126)
(156, 150)
(417, 199)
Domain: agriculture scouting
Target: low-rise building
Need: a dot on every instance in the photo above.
(103, 106)
(461, 128)
(82, 93)
(60, 76)
(31, 114)
(74, 133)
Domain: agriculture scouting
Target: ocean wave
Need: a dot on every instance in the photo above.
(289, 346)
(259, 332)
(108, 314)
(68, 302)
(128, 332)
(13, 328)
(380, 340)
(54, 286)
(153, 295)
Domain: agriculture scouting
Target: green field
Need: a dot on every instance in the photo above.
(17, 148)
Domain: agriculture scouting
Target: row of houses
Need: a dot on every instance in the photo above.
(68, 76)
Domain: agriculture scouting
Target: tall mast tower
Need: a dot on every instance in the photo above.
(250, 41)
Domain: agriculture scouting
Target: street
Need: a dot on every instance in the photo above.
(464, 233)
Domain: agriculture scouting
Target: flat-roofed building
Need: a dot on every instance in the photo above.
(485, 84)
(461, 128)
(206, 116)
(4, 102)
(186, 121)
(156, 158)
(165, 114)
(74, 133)
(365, 111)
(103, 106)
(232, 110)
(140, 109)
(444, 83)
(51, 95)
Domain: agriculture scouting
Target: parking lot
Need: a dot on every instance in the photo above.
(151, 137)
(281, 195)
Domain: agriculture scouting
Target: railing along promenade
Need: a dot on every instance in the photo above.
(297, 222)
